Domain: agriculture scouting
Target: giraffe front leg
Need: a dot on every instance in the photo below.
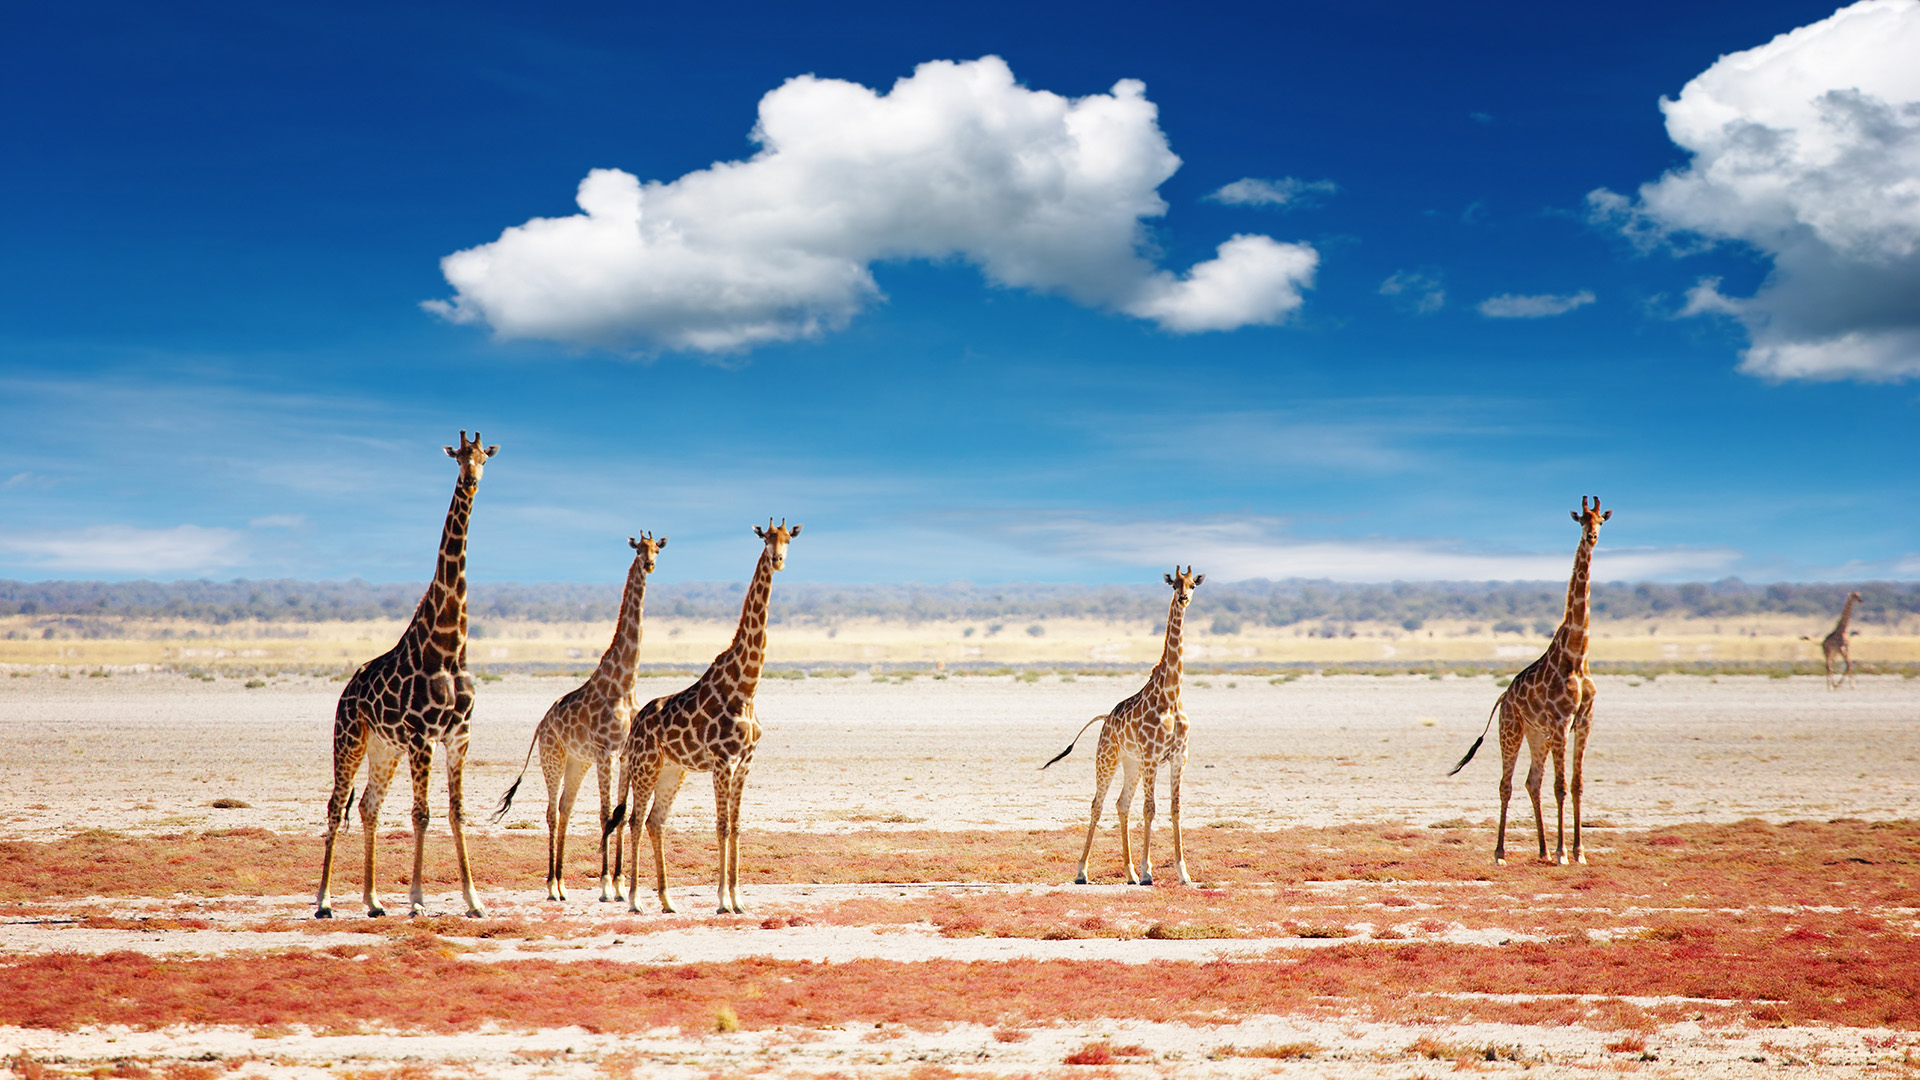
(723, 830)
(1560, 805)
(664, 791)
(1146, 827)
(456, 751)
(382, 761)
(1174, 769)
(737, 795)
(419, 765)
(1581, 729)
(609, 872)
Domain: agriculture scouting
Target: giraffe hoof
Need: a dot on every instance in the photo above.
(1081, 880)
(324, 913)
(1146, 879)
(376, 912)
(1499, 860)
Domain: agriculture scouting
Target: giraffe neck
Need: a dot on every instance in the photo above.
(619, 662)
(749, 648)
(1846, 616)
(1570, 641)
(439, 627)
(1167, 672)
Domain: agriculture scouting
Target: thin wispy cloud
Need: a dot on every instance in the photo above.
(1284, 192)
(1421, 294)
(1807, 149)
(958, 160)
(1543, 306)
(1258, 547)
(121, 549)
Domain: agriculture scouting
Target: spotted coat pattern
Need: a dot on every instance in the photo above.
(415, 695)
(1549, 704)
(708, 727)
(587, 728)
(1139, 735)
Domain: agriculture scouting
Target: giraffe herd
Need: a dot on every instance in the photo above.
(419, 694)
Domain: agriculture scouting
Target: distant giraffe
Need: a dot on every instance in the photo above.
(588, 726)
(1548, 701)
(1835, 644)
(708, 727)
(405, 700)
(1139, 735)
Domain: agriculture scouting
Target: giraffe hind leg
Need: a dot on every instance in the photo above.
(456, 751)
(1509, 755)
(346, 765)
(1104, 762)
(1130, 779)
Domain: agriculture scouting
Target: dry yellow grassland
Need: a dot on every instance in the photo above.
(341, 645)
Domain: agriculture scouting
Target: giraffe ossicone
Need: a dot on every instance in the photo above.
(1549, 704)
(587, 727)
(708, 727)
(1139, 735)
(406, 700)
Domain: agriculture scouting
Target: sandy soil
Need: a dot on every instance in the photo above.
(149, 754)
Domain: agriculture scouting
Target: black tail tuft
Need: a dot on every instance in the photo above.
(506, 800)
(1059, 755)
(1471, 750)
(613, 821)
(347, 810)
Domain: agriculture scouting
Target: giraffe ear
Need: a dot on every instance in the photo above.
(795, 532)
(1169, 578)
(759, 532)
(1606, 515)
(492, 450)
(661, 544)
(451, 452)
(1197, 579)
(1574, 514)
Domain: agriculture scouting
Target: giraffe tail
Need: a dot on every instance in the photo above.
(1076, 739)
(614, 819)
(506, 801)
(1475, 748)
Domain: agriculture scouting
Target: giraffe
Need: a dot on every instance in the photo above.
(403, 701)
(1138, 735)
(708, 727)
(1550, 699)
(588, 726)
(1835, 644)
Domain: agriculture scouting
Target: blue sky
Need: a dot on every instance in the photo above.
(1478, 278)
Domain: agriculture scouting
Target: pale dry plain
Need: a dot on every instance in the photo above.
(148, 754)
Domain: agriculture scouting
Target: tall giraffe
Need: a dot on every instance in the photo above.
(1550, 699)
(403, 701)
(588, 726)
(1138, 735)
(708, 727)
(1835, 644)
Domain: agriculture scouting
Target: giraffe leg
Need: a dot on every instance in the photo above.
(664, 791)
(350, 748)
(609, 874)
(723, 814)
(1146, 826)
(553, 770)
(1174, 769)
(1130, 777)
(1509, 754)
(1104, 763)
(1582, 726)
(1536, 772)
(419, 769)
(1560, 803)
(575, 771)
(382, 759)
(455, 748)
(736, 798)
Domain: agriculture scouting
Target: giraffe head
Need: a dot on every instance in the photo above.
(1184, 582)
(776, 537)
(1590, 519)
(472, 459)
(645, 550)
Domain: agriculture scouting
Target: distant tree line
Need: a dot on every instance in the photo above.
(1225, 608)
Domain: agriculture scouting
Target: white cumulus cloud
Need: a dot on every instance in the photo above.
(1286, 191)
(958, 160)
(1808, 149)
(1512, 306)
